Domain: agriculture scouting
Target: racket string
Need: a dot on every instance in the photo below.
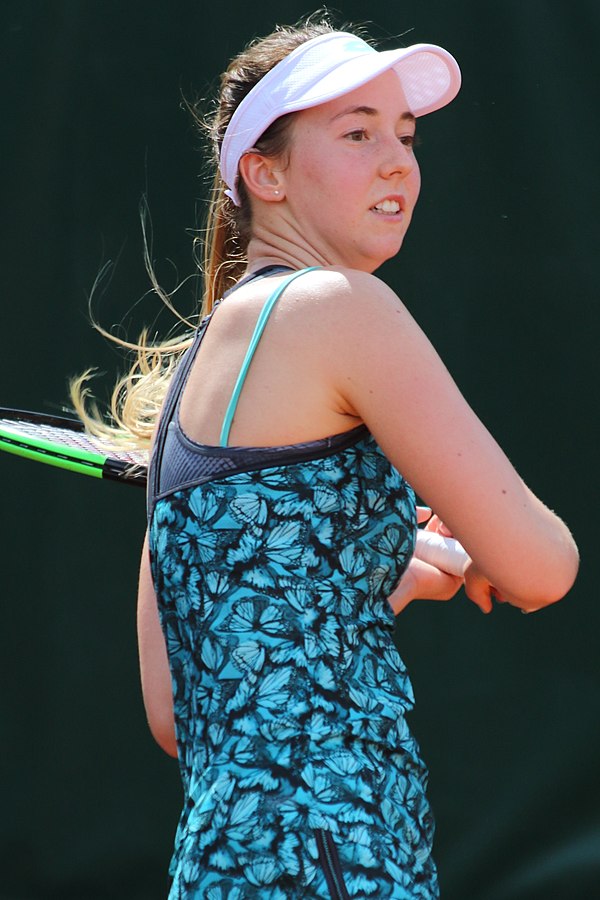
(68, 437)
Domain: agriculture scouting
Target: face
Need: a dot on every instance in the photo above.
(352, 179)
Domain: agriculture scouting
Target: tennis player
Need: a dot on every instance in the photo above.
(304, 412)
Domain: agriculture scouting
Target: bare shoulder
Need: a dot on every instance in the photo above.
(359, 312)
(341, 285)
(345, 302)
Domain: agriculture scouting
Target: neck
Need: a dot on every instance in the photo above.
(283, 244)
(261, 254)
(277, 240)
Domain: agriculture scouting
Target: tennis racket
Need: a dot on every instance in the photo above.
(63, 442)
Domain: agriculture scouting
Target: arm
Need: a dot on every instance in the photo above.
(154, 664)
(425, 427)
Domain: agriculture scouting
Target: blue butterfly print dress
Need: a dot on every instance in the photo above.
(272, 568)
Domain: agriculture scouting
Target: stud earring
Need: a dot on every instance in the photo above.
(276, 193)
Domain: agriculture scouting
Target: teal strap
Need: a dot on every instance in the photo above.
(256, 336)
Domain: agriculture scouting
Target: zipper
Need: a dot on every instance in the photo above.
(330, 862)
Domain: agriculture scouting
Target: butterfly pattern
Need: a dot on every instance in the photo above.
(290, 696)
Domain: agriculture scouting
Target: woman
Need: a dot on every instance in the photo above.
(281, 531)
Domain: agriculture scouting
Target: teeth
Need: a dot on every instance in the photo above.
(388, 206)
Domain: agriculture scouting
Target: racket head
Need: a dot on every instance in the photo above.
(63, 442)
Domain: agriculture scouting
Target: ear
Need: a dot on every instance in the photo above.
(262, 176)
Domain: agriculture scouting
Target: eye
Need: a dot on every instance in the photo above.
(359, 134)
(410, 140)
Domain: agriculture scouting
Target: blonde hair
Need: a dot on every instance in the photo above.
(138, 396)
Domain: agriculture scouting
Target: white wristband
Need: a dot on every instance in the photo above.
(444, 553)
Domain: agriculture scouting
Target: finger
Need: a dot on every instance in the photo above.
(433, 523)
(484, 604)
(479, 594)
(436, 524)
(482, 601)
(424, 514)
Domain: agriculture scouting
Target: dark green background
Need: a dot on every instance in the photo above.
(500, 269)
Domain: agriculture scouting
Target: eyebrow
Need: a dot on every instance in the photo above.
(368, 111)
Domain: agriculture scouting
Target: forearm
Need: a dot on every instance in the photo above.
(154, 664)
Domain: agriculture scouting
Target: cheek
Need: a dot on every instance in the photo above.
(416, 181)
(317, 171)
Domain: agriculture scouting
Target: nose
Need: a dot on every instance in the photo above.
(397, 158)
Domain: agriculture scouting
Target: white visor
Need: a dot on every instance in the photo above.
(327, 67)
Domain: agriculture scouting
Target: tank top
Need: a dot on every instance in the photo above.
(272, 567)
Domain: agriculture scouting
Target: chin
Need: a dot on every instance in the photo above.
(377, 260)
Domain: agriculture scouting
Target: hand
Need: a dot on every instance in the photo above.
(478, 589)
(482, 592)
(421, 581)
